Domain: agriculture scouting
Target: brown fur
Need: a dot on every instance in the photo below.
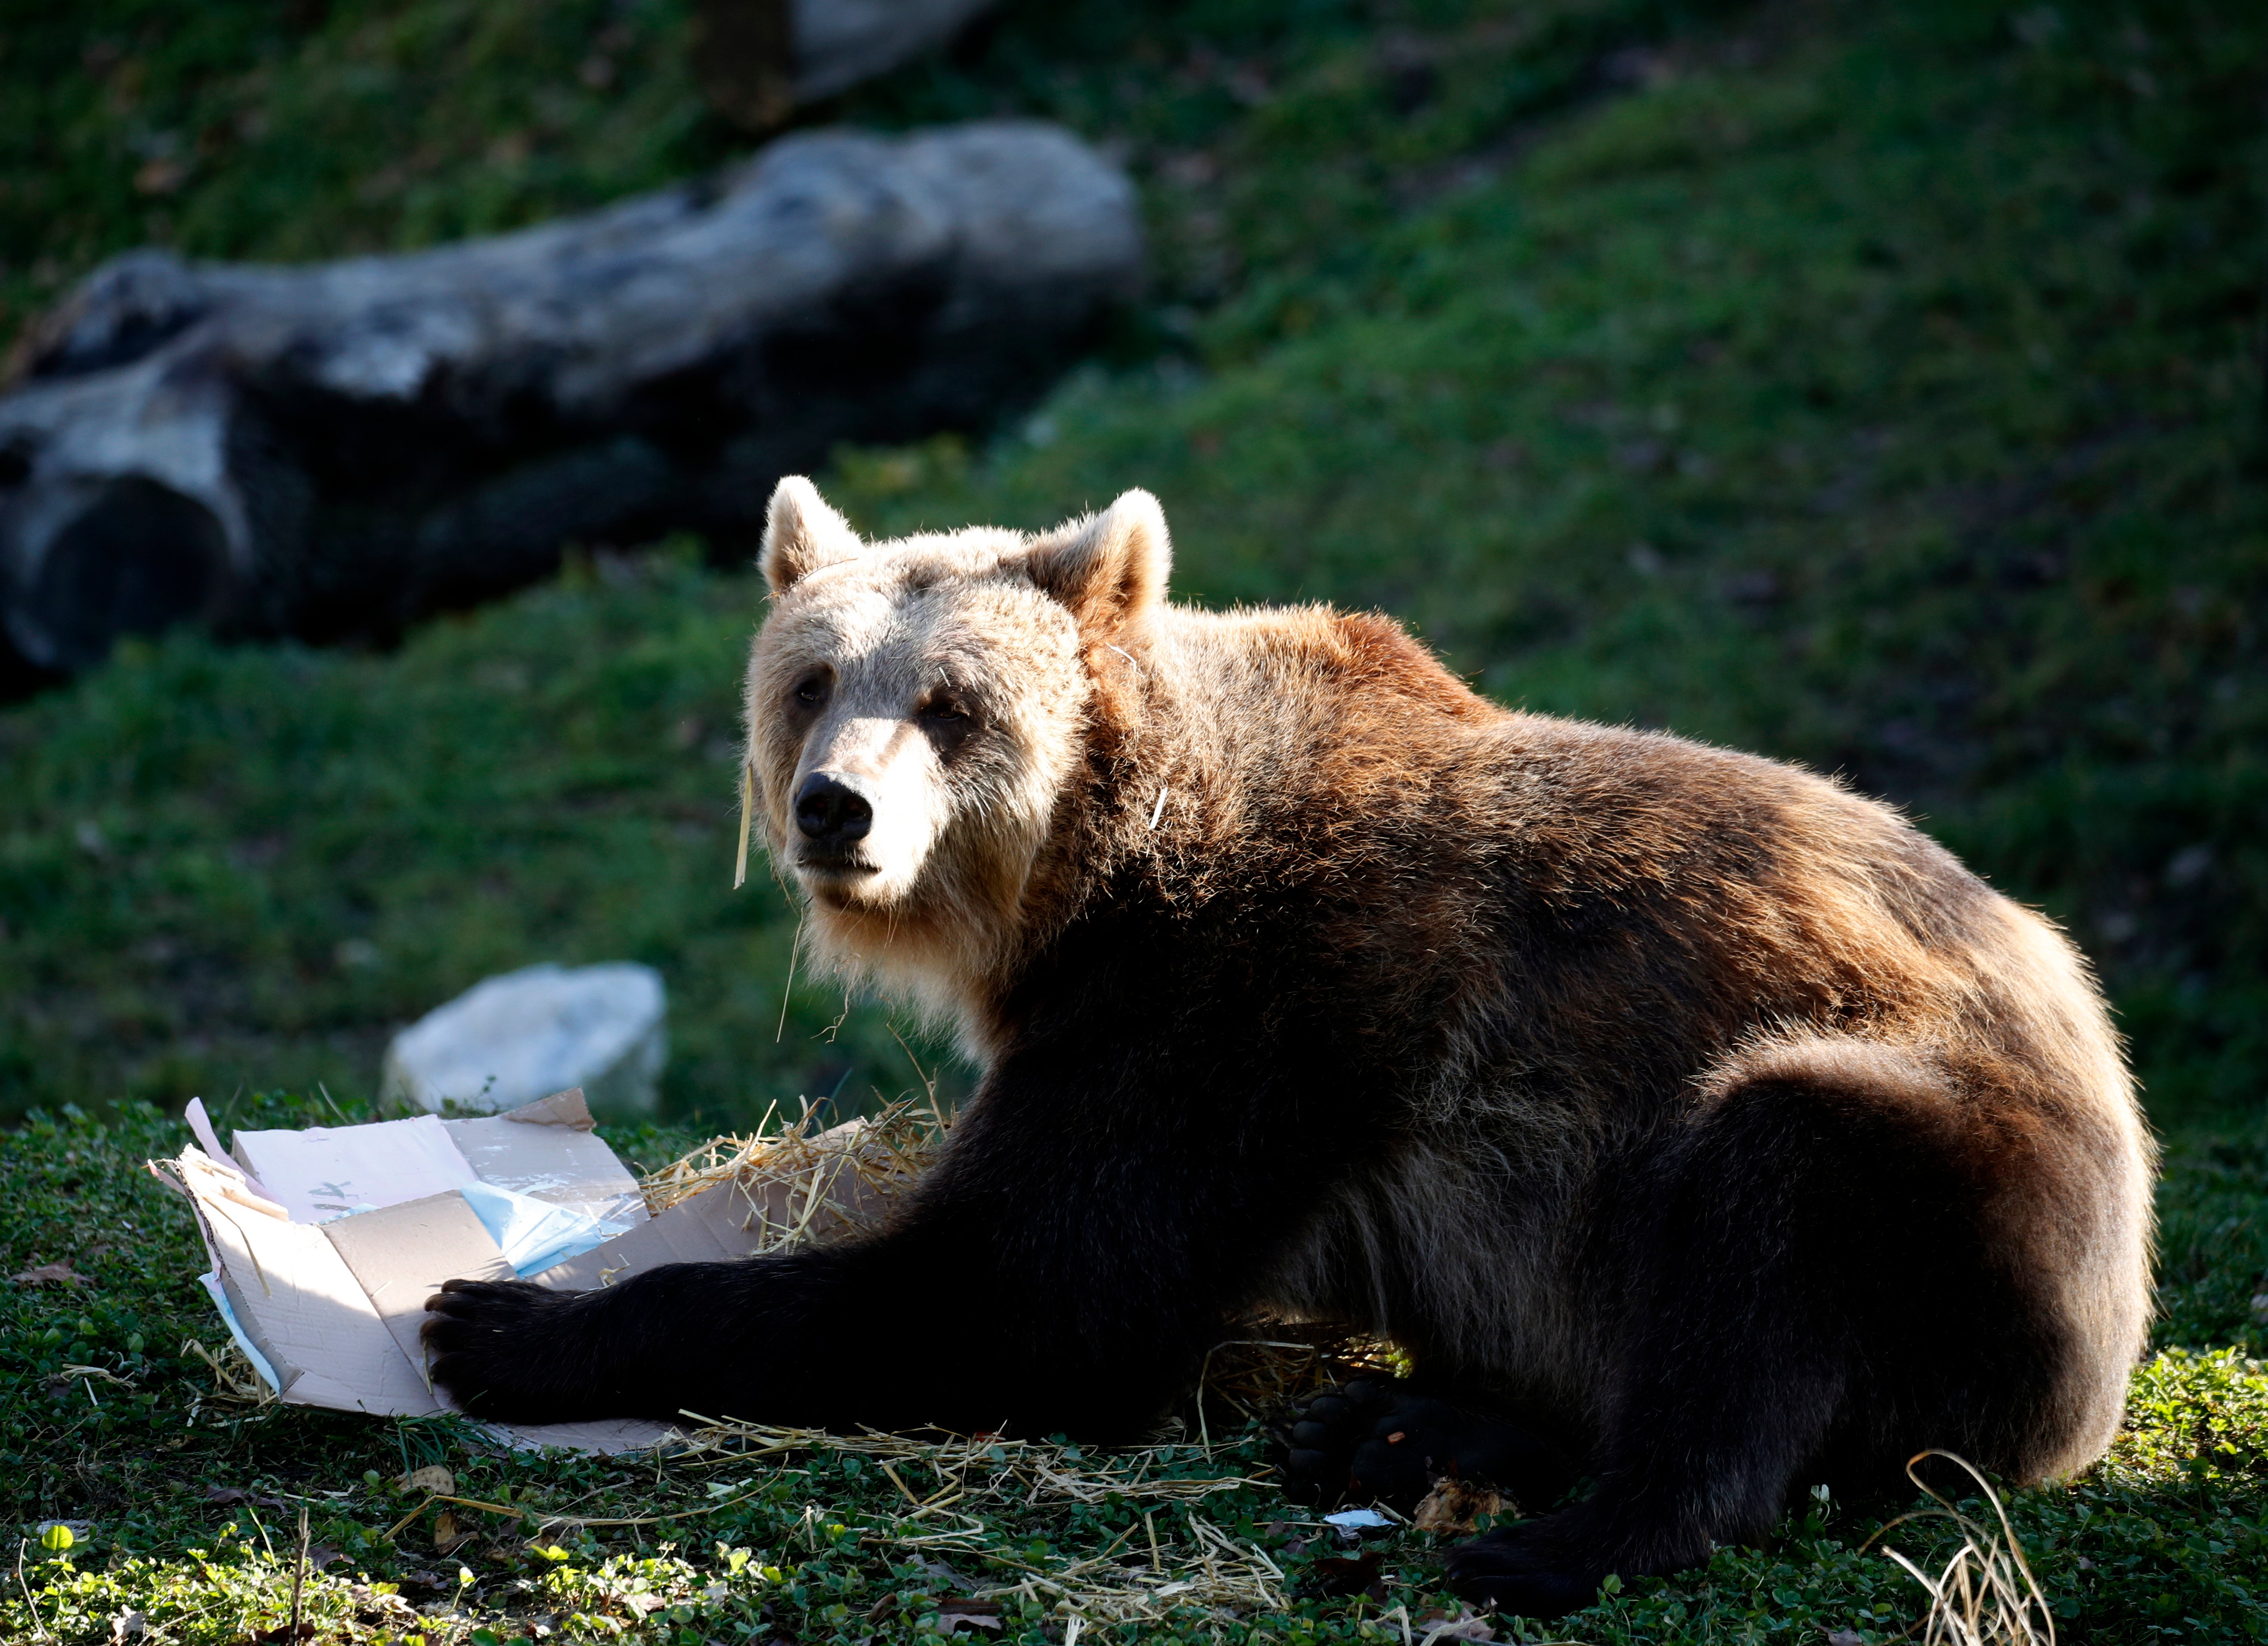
(1696, 1106)
(1795, 931)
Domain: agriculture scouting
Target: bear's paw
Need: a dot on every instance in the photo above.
(1379, 1440)
(1528, 1571)
(511, 1350)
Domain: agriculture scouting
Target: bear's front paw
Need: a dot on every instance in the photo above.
(1376, 1439)
(1528, 1571)
(511, 1350)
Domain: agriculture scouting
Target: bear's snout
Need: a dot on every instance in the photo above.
(831, 813)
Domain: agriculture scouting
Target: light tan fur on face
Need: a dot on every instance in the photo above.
(1002, 622)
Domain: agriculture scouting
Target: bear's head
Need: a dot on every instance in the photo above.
(915, 709)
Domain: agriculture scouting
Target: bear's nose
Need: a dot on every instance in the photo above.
(831, 813)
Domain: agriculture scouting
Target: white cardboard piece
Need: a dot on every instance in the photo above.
(328, 1171)
(333, 1303)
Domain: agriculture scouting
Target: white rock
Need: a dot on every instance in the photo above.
(511, 1040)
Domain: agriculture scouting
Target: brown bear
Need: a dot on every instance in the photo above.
(1688, 1118)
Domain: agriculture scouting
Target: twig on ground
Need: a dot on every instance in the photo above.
(544, 1523)
(299, 1572)
(30, 1605)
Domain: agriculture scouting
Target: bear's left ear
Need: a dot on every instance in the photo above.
(1110, 568)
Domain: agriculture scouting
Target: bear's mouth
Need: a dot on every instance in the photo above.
(829, 867)
(836, 883)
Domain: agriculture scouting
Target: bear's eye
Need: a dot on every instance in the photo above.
(944, 711)
(811, 690)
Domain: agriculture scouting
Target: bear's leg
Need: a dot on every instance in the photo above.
(1384, 1440)
(674, 1339)
(1106, 1202)
(1812, 1287)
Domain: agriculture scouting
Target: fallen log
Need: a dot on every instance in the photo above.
(330, 451)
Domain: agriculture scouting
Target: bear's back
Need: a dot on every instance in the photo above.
(1605, 898)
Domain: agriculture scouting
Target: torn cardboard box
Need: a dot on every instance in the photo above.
(326, 1243)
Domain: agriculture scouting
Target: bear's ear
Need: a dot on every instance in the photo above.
(1110, 568)
(801, 534)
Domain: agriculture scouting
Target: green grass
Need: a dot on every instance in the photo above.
(2164, 1541)
(1874, 386)
(318, 128)
(304, 130)
(289, 852)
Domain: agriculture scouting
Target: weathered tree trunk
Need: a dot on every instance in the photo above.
(331, 449)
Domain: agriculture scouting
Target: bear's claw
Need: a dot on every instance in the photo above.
(504, 1348)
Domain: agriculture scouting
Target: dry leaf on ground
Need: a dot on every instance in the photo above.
(48, 1275)
(1452, 1507)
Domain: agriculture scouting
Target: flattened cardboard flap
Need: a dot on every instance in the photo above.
(400, 1257)
(328, 1171)
(561, 1108)
(302, 1307)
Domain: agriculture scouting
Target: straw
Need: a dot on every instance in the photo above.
(1986, 1595)
(799, 1184)
(823, 1176)
(977, 1473)
(748, 812)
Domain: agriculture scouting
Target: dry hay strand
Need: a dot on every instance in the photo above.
(1218, 1575)
(976, 1468)
(235, 1381)
(968, 1475)
(1259, 1376)
(1986, 1595)
(825, 1180)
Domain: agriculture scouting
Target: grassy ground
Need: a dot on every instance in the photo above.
(186, 1503)
(1874, 386)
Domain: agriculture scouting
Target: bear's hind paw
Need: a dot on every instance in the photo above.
(1376, 1439)
(1527, 1570)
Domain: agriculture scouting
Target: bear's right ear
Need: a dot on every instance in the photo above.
(801, 534)
(1110, 568)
